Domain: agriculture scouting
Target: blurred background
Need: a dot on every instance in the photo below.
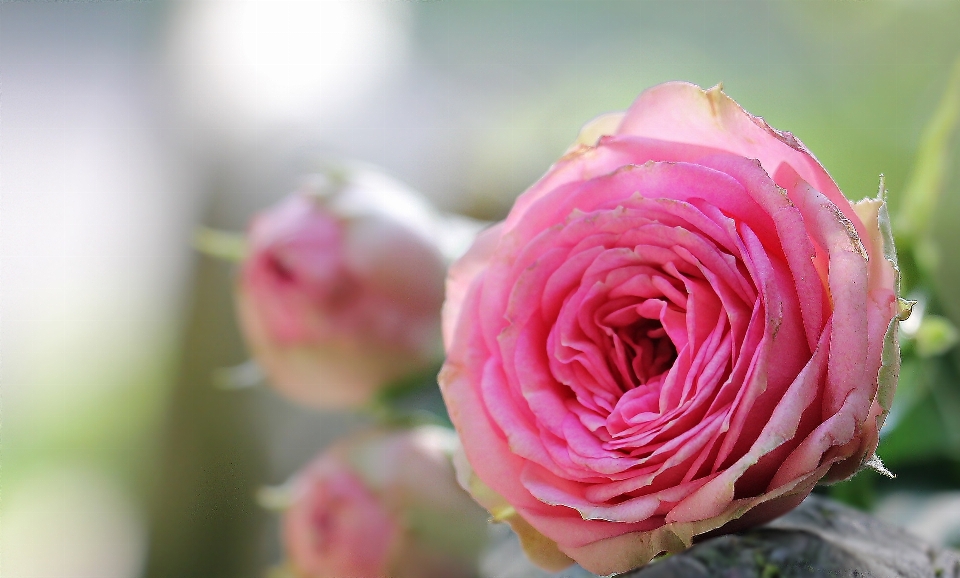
(125, 125)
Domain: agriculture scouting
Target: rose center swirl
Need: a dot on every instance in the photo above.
(644, 341)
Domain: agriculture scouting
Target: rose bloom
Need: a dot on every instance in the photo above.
(681, 328)
(383, 504)
(340, 293)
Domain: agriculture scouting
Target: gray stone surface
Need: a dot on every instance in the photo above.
(819, 539)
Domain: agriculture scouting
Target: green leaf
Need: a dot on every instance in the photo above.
(858, 491)
(923, 425)
(920, 436)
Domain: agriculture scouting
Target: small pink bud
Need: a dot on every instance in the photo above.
(341, 291)
(383, 504)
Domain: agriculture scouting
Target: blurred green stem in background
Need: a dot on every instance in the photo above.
(411, 401)
(927, 184)
(219, 244)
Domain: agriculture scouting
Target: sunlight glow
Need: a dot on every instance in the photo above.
(275, 61)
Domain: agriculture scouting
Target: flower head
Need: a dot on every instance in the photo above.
(681, 327)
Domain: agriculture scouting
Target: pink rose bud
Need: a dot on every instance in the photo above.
(681, 328)
(384, 504)
(341, 291)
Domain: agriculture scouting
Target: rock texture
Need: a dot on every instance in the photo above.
(819, 539)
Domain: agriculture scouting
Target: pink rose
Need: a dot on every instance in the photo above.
(384, 504)
(682, 327)
(342, 288)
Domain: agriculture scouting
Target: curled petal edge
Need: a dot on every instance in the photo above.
(684, 112)
(604, 125)
(462, 274)
(541, 550)
(876, 218)
(622, 553)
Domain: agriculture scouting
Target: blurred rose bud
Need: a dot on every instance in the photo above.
(341, 290)
(383, 504)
